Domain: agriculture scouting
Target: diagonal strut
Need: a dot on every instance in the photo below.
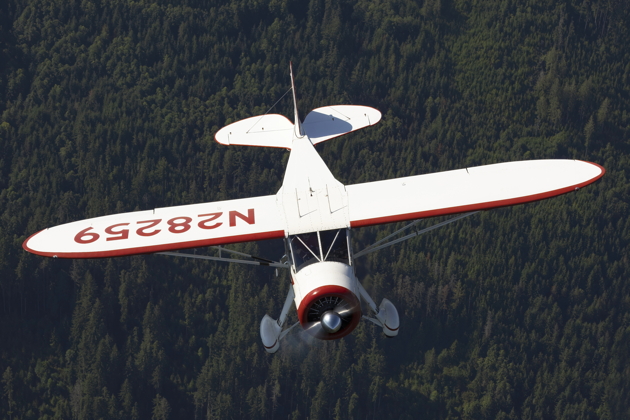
(380, 245)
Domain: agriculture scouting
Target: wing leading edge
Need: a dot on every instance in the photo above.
(162, 229)
(463, 190)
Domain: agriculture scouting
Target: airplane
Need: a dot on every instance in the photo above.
(314, 214)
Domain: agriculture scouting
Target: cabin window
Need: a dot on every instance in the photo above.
(305, 249)
(309, 248)
(335, 245)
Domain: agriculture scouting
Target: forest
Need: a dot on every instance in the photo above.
(514, 313)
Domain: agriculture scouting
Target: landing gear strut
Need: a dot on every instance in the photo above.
(271, 329)
(386, 314)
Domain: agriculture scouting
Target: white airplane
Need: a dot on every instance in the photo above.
(314, 214)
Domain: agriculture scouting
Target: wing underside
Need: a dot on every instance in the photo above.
(162, 229)
(463, 190)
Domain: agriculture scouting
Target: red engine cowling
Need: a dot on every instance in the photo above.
(329, 312)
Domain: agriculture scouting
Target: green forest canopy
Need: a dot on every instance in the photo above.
(519, 313)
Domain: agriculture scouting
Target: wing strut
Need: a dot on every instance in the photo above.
(253, 261)
(380, 245)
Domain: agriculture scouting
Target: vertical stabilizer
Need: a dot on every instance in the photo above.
(298, 125)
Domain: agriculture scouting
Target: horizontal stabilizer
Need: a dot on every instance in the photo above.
(464, 190)
(162, 229)
(269, 130)
(328, 122)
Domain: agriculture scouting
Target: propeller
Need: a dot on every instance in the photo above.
(329, 316)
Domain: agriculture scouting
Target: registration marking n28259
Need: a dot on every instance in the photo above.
(174, 225)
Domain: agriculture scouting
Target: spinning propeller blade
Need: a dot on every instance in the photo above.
(331, 319)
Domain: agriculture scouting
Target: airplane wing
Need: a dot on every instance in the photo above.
(464, 190)
(162, 229)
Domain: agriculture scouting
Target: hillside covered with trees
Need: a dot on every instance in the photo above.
(111, 106)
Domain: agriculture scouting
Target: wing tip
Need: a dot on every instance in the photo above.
(601, 168)
(34, 251)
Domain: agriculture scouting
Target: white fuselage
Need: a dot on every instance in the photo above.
(319, 275)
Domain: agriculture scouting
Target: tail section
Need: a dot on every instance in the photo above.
(298, 125)
(269, 130)
(321, 124)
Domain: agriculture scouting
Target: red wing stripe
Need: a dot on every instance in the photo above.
(159, 248)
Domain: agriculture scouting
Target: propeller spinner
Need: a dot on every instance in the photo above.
(331, 322)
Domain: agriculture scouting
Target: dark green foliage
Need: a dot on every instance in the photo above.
(109, 106)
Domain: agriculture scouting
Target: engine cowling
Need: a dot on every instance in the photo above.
(329, 312)
(326, 299)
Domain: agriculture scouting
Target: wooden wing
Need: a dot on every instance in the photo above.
(463, 190)
(162, 229)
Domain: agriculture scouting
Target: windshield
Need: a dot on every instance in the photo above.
(335, 245)
(305, 249)
(329, 245)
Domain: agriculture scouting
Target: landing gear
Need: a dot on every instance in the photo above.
(386, 314)
(271, 330)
